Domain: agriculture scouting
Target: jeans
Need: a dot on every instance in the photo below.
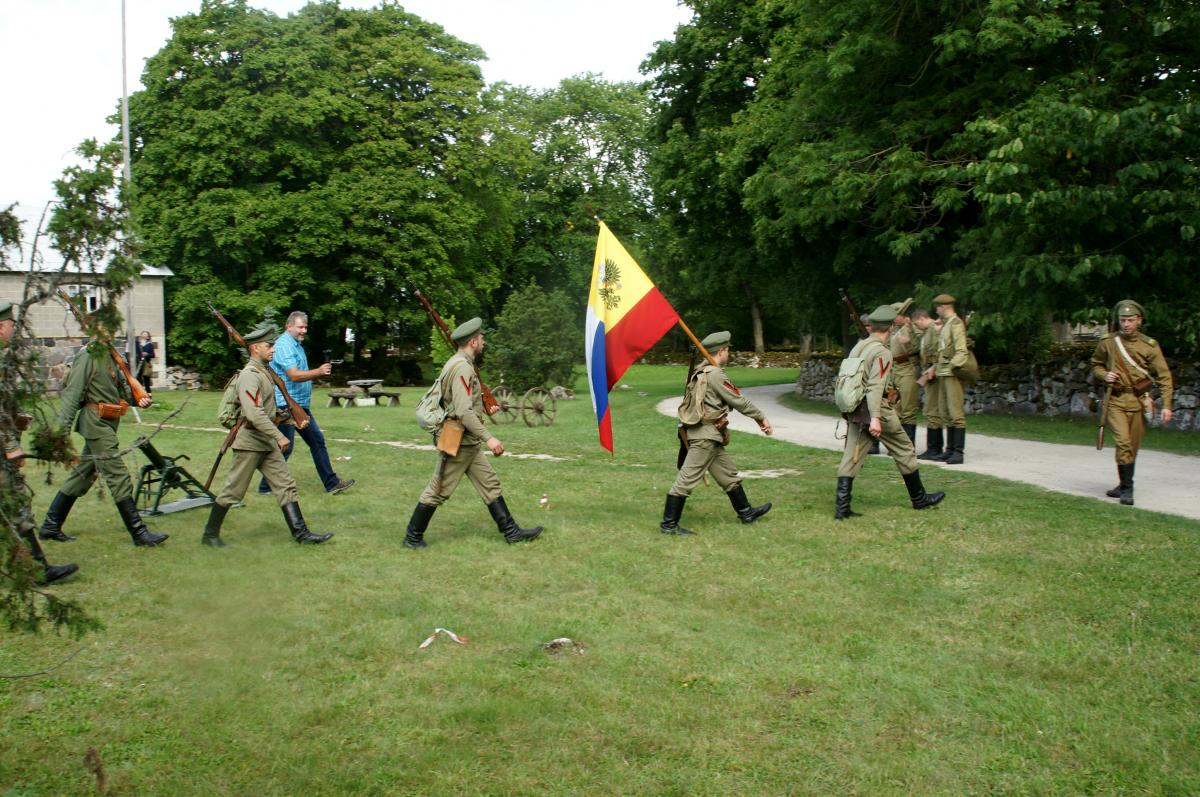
(311, 435)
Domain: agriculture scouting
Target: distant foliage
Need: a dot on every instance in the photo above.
(536, 342)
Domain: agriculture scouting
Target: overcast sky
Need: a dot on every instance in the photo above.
(61, 61)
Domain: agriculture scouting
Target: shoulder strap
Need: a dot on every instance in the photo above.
(1127, 358)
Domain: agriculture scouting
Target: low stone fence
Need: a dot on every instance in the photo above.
(1060, 385)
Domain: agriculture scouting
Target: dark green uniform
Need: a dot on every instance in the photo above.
(1124, 414)
(462, 397)
(94, 378)
(711, 396)
(256, 446)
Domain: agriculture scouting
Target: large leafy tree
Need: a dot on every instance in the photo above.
(327, 160)
(575, 152)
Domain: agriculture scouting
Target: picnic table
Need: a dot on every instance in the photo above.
(364, 389)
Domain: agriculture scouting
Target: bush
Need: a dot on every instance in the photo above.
(536, 342)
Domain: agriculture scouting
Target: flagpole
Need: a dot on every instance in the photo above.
(699, 345)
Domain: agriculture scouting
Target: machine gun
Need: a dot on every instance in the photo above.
(164, 474)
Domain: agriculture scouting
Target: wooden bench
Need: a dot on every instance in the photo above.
(392, 396)
(336, 397)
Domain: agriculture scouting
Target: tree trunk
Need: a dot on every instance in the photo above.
(756, 322)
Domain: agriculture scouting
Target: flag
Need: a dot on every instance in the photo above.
(626, 315)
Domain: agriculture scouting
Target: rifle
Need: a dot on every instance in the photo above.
(299, 416)
(680, 431)
(229, 438)
(863, 332)
(1103, 410)
(490, 405)
(139, 392)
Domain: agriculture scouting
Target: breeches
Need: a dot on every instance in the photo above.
(705, 456)
(1128, 427)
(273, 469)
(952, 401)
(935, 412)
(97, 458)
(906, 383)
(858, 442)
(469, 460)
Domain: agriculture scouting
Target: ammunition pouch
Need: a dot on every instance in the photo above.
(109, 412)
(722, 426)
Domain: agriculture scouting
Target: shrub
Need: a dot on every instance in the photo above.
(536, 342)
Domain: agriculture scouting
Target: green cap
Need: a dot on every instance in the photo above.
(716, 341)
(467, 330)
(883, 314)
(901, 308)
(943, 298)
(260, 333)
(1128, 307)
(6, 311)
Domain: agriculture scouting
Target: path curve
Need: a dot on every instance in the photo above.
(1165, 482)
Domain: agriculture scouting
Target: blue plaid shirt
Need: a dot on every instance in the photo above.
(290, 354)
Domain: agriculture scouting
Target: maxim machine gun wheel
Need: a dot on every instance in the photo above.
(538, 407)
(507, 400)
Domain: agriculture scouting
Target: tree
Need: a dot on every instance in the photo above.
(328, 161)
(531, 346)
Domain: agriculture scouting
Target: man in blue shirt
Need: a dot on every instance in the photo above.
(291, 363)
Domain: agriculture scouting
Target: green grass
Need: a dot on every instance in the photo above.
(1010, 641)
(1071, 431)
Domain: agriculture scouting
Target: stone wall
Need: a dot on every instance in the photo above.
(1059, 385)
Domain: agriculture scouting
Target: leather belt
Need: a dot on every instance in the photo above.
(900, 358)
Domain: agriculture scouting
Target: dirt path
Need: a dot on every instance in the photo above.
(1165, 482)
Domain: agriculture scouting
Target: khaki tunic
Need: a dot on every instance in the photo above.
(93, 379)
(952, 353)
(904, 345)
(858, 436)
(462, 397)
(935, 415)
(1123, 414)
(255, 447)
(711, 389)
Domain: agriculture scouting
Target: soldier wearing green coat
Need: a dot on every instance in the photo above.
(462, 399)
(95, 397)
(881, 399)
(703, 416)
(1128, 363)
(259, 445)
(905, 347)
(951, 354)
(11, 481)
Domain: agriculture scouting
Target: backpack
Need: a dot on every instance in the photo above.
(691, 410)
(850, 388)
(430, 412)
(229, 410)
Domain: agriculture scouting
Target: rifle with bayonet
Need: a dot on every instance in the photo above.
(490, 405)
(229, 438)
(136, 387)
(855, 317)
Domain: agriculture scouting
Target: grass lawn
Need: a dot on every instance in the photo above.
(1009, 641)
(1071, 431)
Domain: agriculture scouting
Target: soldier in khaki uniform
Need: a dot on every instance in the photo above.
(1129, 363)
(11, 482)
(929, 329)
(951, 354)
(703, 416)
(259, 445)
(96, 392)
(462, 398)
(881, 398)
(904, 345)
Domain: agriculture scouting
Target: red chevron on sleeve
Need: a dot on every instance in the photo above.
(255, 397)
(731, 388)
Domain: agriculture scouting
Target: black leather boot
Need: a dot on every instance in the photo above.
(50, 573)
(298, 528)
(933, 445)
(958, 439)
(1116, 491)
(841, 507)
(415, 536)
(916, 492)
(212, 529)
(741, 505)
(141, 535)
(56, 515)
(910, 429)
(671, 514)
(1126, 472)
(508, 527)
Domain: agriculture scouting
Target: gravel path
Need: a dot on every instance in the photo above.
(1164, 483)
